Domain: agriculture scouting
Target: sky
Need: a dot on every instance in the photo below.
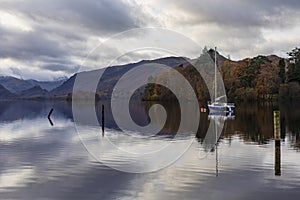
(50, 39)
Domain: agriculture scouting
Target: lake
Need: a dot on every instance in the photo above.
(41, 161)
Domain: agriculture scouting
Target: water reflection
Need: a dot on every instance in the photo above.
(38, 161)
(254, 123)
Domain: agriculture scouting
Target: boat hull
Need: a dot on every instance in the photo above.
(221, 107)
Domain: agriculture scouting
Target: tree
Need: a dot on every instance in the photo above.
(204, 50)
(294, 55)
(267, 81)
(281, 66)
(294, 66)
(251, 71)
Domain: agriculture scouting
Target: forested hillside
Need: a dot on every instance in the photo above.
(262, 78)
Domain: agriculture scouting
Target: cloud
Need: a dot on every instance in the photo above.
(236, 27)
(55, 36)
(62, 68)
(235, 13)
(49, 33)
(30, 45)
(16, 71)
(105, 16)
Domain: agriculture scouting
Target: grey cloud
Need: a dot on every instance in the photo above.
(105, 16)
(61, 29)
(237, 26)
(29, 45)
(69, 69)
(246, 13)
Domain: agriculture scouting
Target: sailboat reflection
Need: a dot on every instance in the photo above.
(218, 120)
(221, 115)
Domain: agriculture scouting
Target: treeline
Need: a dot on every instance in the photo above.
(262, 78)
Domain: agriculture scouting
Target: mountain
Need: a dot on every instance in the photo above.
(16, 85)
(65, 88)
(5, 93)
(111, 75)
(34, 92)
(220, 58)
(258, 78)
(47, 85)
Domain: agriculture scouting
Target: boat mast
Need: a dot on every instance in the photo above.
(217, 161)
(215, 74)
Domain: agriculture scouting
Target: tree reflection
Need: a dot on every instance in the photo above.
(253, 123)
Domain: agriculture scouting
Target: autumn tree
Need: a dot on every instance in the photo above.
(251, 71)
(281, 66)
(267, 81)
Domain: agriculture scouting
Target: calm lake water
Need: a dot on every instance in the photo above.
(40, 161)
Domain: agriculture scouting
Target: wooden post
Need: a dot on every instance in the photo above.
(277, 143)
(49, 117)
(276, 125)
(102, 119)
(50, 113)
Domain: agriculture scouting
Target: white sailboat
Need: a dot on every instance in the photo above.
(216, 107)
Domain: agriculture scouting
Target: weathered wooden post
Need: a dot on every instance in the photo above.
(49, 117)
(102, 120)
(277, 143)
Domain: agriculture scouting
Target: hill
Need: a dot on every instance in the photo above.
(265, 78)
(47, 85)
(16, 85)
(261, 78)
(110, 77)
(34, 92)
(5, 93)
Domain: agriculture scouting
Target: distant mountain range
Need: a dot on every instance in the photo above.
(258, 78)
(111, 75)
(16, 85)
(14, 88)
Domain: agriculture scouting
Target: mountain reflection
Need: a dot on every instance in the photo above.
(41, 161)
(253, 123)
